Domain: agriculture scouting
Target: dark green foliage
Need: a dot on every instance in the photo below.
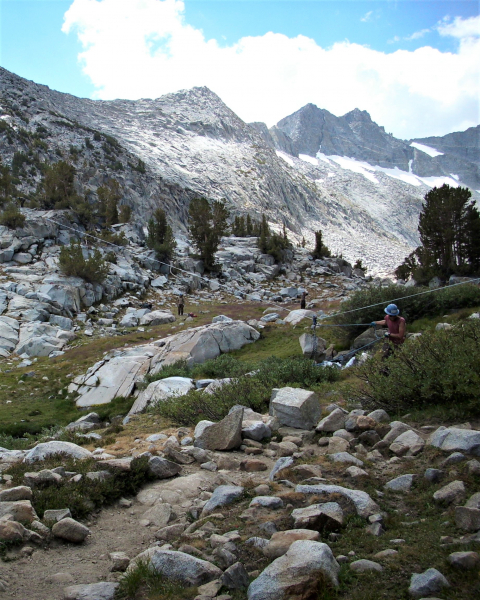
(88, 144)
(420, 305)
(449, 227)
(20, 159)
(272, 243)
(57, 186)
(253, 391)
(320, 250)
(84, 496)
(73, 263)
(245, 226)
(12, 217)
(207, 224)
(119, 239)
(438, 368)
(109, 196)
(6, 184)
(160, 236)
(83, 210)
(358, 265)
(125, 213)
(140, 166)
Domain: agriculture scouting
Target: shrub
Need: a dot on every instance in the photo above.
(438, 368)
(12, 217)
(85, 495)
(416, 307)
(253, 390)
(125, 213)
(72, 262)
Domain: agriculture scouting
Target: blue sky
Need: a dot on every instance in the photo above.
(265, 59)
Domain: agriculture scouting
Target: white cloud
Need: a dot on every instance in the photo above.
(144, 48)
(416, 35)
(460, 28)
(367, 16)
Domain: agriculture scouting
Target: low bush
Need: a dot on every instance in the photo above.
(253, 390)
(413, 308)
(438, 368)
(12, 217)
(72, 262)
(85, 495)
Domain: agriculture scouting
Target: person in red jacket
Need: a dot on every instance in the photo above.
(397, 328)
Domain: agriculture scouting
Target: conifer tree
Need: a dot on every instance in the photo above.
(109, 195)
(320, 249)
(160, 236)
(449, 227)
(207, 224)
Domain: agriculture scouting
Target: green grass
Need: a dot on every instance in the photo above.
(144, 583)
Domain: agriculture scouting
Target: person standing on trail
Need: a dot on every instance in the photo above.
(396, 325)
(303, 299)
(181, 304)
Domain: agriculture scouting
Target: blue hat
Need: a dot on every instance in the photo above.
(392, 310)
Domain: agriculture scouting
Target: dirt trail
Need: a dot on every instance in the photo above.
(114, 530)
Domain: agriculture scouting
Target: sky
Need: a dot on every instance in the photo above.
(414, 65)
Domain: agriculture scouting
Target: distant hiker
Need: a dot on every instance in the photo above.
(303, 300)
(396, 328)
(181, 304)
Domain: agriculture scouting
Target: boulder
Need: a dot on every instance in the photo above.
(235, 577)
(157, 317)
(403, 483)
(454, 439)
(313, 347)
(161, 390)
(452, 493)
(93, 591)
(364, 505)
(70, 530)
(159, 514)
(464, 560)
(180, 567)
(295, 407)
(327, 516)
(21, 492)
(21, 510)
(270, 502)
(224, 435)
(161, 468)
(109, 379)
(12, 531)
(345, 458)
(427, 584)
(222, 495)
(281, 541)
(396, 429)
(408, 443)
(294, 317)
(332, 422)
(467, 519)
(46, 449)
(296, 574)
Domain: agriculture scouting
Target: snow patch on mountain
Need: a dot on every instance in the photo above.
(430, 151)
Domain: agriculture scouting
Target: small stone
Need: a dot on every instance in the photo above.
(94, 591)
(21, 492)
(120, 561)
(235, 577)
(363, 565)
(355, 472)
(473, 467)
(253, 465)
(271, 502)
(453, 459)
(467, 519)
(434, 475)
(388, 553)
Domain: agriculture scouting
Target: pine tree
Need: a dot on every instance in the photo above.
(320, 249)
(449, 227)
(109, 195)
(207, 225)
(249, 226)
(58, 186)
(160, 236)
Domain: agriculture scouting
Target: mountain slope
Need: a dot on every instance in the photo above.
(191, 144)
